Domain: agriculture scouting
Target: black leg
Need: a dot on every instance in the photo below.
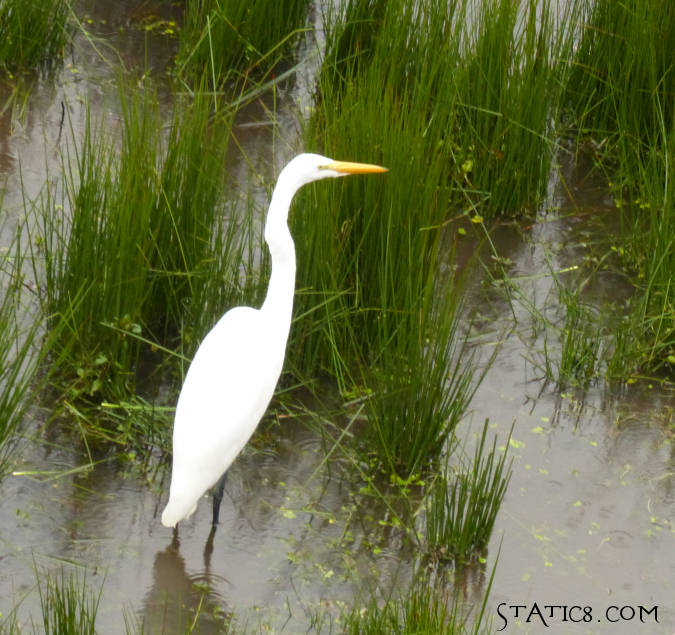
(218, 497)
(208, 547)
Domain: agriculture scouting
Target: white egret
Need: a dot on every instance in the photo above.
(233, 375)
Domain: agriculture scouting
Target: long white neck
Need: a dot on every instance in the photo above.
(278, 303)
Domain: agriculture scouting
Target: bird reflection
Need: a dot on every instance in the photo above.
(178, 602)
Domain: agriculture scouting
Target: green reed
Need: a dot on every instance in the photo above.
(228, 39)
(508, 85)
(131, 242)
(621, 92)
(580, 338)
(645, 338)
(463, 503)
(69, 606)
(424, 608)
(455, 102)
(33, 35)
(622, 78)
(373, 244)
(18, 357)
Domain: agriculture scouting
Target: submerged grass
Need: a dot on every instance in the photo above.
(580, 357)
(33, 35)
(426, 607)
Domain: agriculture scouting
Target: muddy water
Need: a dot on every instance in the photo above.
(588, 517)
(587, 521)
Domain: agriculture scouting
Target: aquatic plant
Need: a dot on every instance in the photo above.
(645, 336)
(380, 305)
(463, 502)
(622, 80)
(18, 357)
(33, 35)
(69, 606)
(620, 92)
(131, 243)
(423, 608)
(508, 86)
(227, 39)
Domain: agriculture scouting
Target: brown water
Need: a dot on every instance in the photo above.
(588, 516)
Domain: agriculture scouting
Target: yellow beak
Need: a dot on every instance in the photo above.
(354, 168)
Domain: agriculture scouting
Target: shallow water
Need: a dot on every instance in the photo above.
(587, 520)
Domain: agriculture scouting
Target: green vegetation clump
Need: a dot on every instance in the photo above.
(69, 606)
(423, 608)
(132, 246)
(621, 92)
(19, 359)
(463, 503)
(622, 78)
(456, 104)
(33, 35)
(225, 40)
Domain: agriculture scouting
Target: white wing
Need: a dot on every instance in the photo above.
(226, 392)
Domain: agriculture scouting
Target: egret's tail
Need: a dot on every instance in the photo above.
(175, 511)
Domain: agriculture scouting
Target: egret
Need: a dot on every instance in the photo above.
(235, 370)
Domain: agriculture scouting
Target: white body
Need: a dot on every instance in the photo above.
(224, 396)
(234, 373)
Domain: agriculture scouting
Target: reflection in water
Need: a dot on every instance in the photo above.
(178, 602)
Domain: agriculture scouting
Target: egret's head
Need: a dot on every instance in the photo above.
(313, 167)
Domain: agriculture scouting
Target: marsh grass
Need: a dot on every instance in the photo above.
(580, 339)
(424, 608)
(462, 504)
(422, 387)
(226, 40)
(131, 241)
(18, 356)
(379, 294)
(69, 606)
(622, 81)
(622, 93)
(33, 35)
(645, 338)
(508, 85)
(582, 355)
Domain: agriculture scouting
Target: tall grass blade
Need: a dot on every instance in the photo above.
(33, 35)
(463, 504)
(19, 356)
(69, 607)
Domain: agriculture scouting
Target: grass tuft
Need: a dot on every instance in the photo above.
(69, 607)
(225, 40)
(131, 244)
(18, 356)
(425, 607)
(33, 35)
(462, 506)
(621, 91)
